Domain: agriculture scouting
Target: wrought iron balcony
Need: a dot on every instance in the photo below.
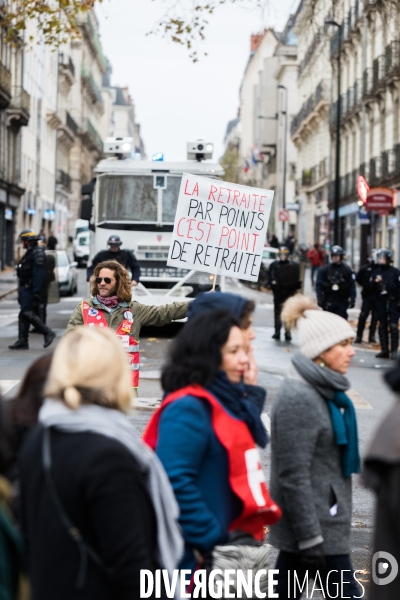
(368, 81)
(67, 67)
(91, 86)
(67, 128)
(375, 170)
(392, 59)
(306, 178)
(379, 72)
(20, 106)
(64, 179)
(91, 137)
(71, 123)
(5, 86)
(321, 94)
(323, 168)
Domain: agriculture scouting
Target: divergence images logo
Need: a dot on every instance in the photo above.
(384, 568)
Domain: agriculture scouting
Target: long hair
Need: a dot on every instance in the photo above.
(26, 404)
(195, 354)
(89, 367)
(124, 291)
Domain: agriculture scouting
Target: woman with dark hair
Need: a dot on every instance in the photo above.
(23, 413)
(205, 434)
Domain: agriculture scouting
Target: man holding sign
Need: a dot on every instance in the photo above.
(220, 227)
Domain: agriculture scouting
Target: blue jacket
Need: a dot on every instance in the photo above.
(197, 466)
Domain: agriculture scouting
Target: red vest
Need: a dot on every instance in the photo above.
(246, 477)
(95, 318)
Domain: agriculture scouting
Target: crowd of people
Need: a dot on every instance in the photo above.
(86, 504)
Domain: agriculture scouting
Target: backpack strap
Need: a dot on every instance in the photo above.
(74, 533)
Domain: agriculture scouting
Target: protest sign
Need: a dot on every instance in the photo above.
(220, 227)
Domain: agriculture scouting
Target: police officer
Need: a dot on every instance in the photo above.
(126, 258)
(41, 308)
(386, 281)
(31, 274)
(284, 280)
(364, 279)
(336, 288)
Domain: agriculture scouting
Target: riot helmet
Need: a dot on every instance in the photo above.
(384, 256)
(27, 236)
(114, 240)
(337, 253)
(283, 252)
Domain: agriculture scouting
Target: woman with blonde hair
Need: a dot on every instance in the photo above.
(314, 451)
(97, 506)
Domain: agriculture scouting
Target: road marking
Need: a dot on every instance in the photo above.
(72, 299)
(150, 374)
(358, 400)
(6, 385)
(267, 421)
(8, 319)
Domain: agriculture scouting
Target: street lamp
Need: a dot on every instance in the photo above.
(337, 172)
(282, 87)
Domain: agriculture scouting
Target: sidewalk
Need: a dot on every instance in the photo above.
(8, 282)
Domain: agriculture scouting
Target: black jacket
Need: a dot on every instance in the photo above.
(284, 279)
(389, 287)
(364, 279)
(336, 282)
(102, 491)
(125, 257)
(31, 270)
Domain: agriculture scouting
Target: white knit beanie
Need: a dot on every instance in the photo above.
(318, 330)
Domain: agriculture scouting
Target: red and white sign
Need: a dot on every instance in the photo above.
(220, 227)
(380, 199)
(283, 215)
(362, 188)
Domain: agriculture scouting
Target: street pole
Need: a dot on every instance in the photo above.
(282, 87)
(337, 170)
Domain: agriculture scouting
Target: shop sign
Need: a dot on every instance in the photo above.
(362, 188)
(380, 199)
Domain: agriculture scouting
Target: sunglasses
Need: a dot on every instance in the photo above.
(106, 280)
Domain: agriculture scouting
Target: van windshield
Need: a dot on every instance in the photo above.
(133, 198)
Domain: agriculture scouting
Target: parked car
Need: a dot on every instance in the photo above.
(67, 275)
(269, 255)
(81, 246)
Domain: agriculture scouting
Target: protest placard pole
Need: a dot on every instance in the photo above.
(214, 282)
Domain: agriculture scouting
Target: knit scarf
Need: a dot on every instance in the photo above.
(331, 386)
(110, 302)
(242, 401)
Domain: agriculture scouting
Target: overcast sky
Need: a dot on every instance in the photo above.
(176, 100)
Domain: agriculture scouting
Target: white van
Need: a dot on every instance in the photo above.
(81, 247)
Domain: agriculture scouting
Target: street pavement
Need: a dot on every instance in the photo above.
(371, 396)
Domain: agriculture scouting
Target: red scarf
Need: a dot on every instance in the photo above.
(110, 302)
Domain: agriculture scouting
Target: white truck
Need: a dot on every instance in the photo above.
(137, 199)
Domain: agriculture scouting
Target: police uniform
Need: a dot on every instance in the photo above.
(364, 279)
(126, 258)
(387, 294)
(31, 276)
(284, 280)
(336, 288)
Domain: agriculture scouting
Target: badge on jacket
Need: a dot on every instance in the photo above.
(93, 312)
(128, 315)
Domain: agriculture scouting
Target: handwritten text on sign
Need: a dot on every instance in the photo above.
(220, 227)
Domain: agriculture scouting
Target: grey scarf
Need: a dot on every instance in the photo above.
(114, 424)
(324, 380)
